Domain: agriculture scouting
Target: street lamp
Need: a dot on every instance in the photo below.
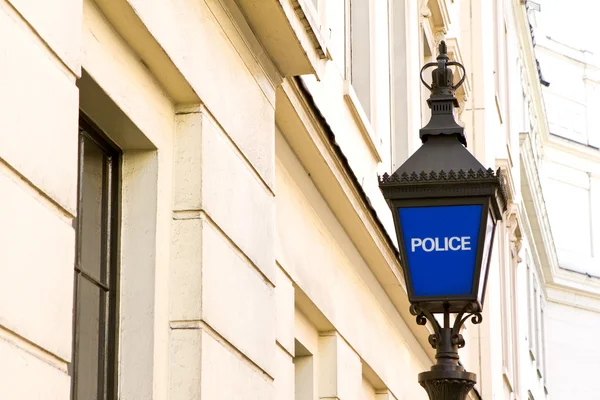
(445, 206)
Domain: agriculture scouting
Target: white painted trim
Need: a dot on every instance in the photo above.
(364, 124)
(545, 255)
(316, 22)
(537, 226)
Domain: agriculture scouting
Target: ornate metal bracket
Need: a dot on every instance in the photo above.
(447, 378)
(470, 310)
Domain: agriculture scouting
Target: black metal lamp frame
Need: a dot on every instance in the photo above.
(444, 173)
(451, 189)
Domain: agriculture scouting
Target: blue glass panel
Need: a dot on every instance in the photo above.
(441, 247)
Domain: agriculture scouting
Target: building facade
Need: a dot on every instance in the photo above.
(191, 199)
(570, 174)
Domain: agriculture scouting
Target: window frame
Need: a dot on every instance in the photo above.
(367, 109)
(531, 313)
(110, 250)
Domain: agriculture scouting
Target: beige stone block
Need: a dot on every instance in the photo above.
(38, 128)
(284, 375)
(37, 246)
(284, 306)
(58, 23)
(217, 73)
(237, 200)
(305, 332)
(340, 368)
(187, 169)
(27, 377)
(236, 300)
(227, 376)
(211, 281)
(186, 270)
(140, 294)
(185, 361)
(368, 391)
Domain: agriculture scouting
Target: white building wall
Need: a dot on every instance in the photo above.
(250, 265)
(39, 199)
(569, 169)
(570, 320)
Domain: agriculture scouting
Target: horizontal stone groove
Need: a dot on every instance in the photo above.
(32, 348)
(282, 347)
(179, 215)
(202, 214)
(201, 324)
(282, 269)
(13, 174)
(184, 109)
(18, 16)
(239, 251)
(239, 152)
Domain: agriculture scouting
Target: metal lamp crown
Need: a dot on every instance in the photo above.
(443, 100)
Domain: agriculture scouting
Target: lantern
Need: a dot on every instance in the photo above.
(445, 206)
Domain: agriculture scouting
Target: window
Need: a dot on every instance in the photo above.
(94, 327)
(500, 56)
(540, 345)
(566, 117)
(525, 120)
(509, 256)
(360, 67)
(542, 363)
(537, 336)
(569, 187)
(531, 312)
(536, 322)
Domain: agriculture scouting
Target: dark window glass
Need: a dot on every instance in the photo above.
(91, 211)
(96, 268)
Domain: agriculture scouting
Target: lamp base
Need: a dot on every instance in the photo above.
(447, 384)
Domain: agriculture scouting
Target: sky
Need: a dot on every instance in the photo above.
(571, 22)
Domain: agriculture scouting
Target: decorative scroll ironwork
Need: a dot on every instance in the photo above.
(470, 310)
(447, 379)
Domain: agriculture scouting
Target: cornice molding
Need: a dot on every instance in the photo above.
(543, 242)
(312, 22)
(536, 219)
(283, 33)
(532, 147)
(303, 129)
(362, 120)
(573, 298)
(440, 15)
